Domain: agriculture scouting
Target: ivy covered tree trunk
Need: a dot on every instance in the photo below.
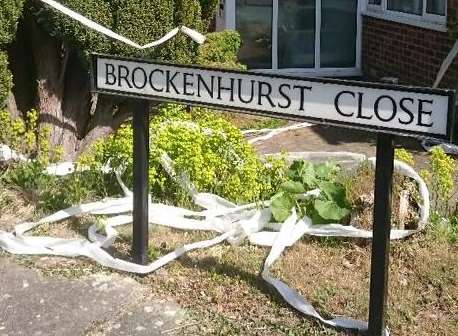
(49, 59)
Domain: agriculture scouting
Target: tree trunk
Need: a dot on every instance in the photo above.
(49, 64)
(12, 107)
(75, 106)
(101, 124)
(61, 91)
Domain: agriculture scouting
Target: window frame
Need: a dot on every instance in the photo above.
(425, 20)
(228, 21)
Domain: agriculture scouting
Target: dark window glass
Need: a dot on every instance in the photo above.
(406, 6)
(338, 33)
(254, 23)
(296, 33)
(436, 7)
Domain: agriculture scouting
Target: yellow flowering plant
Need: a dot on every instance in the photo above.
(206, 147)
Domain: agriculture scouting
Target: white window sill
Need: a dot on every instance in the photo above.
(323, 72)
(410, 20)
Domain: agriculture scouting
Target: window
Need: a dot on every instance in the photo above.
(296, 34)
(319, 37)
(436, 7)
(405, 6)
(254, 23)
(423, 13)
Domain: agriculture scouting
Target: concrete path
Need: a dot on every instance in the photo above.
(32, 305)
(320, 138)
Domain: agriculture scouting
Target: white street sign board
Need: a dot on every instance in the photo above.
(385, 108)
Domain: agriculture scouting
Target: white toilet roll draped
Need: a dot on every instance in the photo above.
(233, 223)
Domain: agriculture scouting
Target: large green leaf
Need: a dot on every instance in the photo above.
(326, 171)
(330, 210)
(308, 175)
(335, 192)
(281, 206)
(293, 187)
(302, 171)
(294, 171)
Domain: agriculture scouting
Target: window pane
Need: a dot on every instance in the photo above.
(406, 6)
(338, 33)
(254, 23)
(375, 2)
(296, 33)
(436, 7)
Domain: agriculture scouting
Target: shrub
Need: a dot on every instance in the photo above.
(24, 136)
(443, 168)
(403, 155)
(221, 50)
(9, 14)
(206, 147)
(440, 178)
(46, 191)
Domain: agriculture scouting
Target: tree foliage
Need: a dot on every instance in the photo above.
(209, 9)
(52, 50)
(139, 20)
(9, 15)
(6, 80)
(10, 11)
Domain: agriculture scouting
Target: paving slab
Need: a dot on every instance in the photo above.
(33, 305)
(148, 319)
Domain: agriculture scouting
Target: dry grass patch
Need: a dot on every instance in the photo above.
(14, 206)
(223, 291)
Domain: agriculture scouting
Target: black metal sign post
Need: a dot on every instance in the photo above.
(140, 172)
(381, 234)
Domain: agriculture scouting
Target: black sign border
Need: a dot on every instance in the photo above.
(451, 94)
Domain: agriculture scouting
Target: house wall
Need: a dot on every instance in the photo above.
(412, 54)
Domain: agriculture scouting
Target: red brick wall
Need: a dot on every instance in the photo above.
(412, 54)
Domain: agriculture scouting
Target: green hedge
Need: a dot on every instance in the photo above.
(221, 50)
(10, 11)
(139, 20)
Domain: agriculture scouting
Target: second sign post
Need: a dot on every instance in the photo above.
(141, 180)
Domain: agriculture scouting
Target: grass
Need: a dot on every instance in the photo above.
(222, 289)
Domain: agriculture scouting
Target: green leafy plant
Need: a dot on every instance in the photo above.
(330, 206)
(6, 79)
(46, 191)
(9, 15)
(24, 136)
(401, 154)
(221, 50)
(209, 149)
(440, 178)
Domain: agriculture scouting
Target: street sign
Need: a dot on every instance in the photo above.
(386, 109)
(409, 111)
